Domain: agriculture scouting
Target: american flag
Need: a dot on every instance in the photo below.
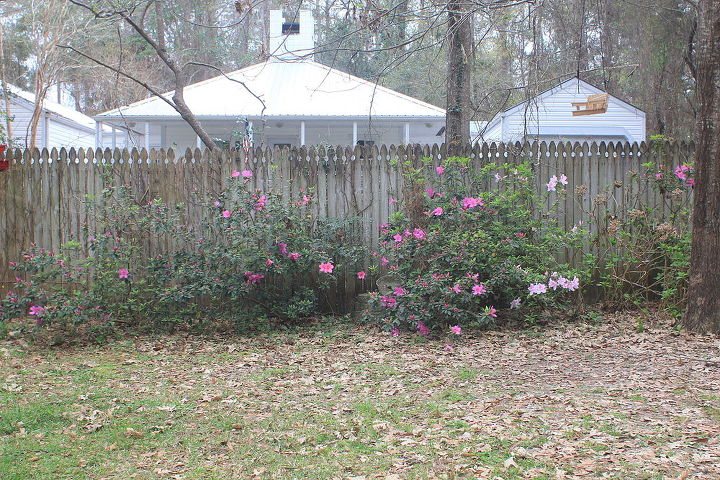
(248, 138)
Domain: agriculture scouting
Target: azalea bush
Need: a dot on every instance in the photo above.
(644, 255)
(251, 262)
(461, 254)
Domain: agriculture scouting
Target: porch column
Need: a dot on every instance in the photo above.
(163, 136)
(302, 133)
(407, 133)
(147, 136)
(354, 134)
(114, 137)
(98, 134)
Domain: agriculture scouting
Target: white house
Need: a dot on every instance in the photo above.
(566, 113)
(59, 126)
(287, 100)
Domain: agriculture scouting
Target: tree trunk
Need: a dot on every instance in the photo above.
(703, 310)
(6, 93)
(459, 110)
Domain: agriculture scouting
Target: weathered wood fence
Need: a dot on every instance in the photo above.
(42, 193)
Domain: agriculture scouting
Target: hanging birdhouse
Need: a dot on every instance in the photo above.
(4, 162)
(595, 104)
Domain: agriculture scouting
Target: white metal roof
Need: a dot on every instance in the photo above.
(301, 88)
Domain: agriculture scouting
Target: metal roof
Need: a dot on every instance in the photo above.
(72, 116)
(300, 88)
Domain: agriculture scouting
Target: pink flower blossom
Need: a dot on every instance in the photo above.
(37, 310)
(235, 174)
(246, 174)
(479, 289)
(260, 204)
(384, 261)
(282, 248)
(456, 288)
(515, 303)
(254, 277)
(658, 176)
(456, 329)
(123, 273)
(437, 212)
(430, 192)
(395, 332)
(552, 184)
(418, 233)
(392, 201)
(681, 171)
(499, 177)
(440, 170)
(398, 238)
(423, 329)
(563, 179)
(537, 288)
(217, 204)
(326, 267)
(690, 182)
(399, 291)
(470, 202)
(573, 284)
(552, 283)
(449, 348)
(295, 256)
(388, 301)
(305, 200)
(269, 263)
(491, 311)
(361, 275)
(226, 213)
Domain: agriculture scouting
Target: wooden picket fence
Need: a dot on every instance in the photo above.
(42, 194)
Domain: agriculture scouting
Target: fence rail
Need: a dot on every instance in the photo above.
(42, 193)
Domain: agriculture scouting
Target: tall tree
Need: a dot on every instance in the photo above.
(460, 67)
(703, 310)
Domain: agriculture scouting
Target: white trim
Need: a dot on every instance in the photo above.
(302, 133)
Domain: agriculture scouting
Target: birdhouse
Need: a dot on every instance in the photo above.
(4, 162)
(595, 104)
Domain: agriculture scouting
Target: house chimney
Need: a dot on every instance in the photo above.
(292, 35)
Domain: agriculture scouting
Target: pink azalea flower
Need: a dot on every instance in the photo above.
(361, 275)
(282, 248)
(430, 192)
(123, 273)
(235, 174)
(392, 201)
(456, 329)
(226, 213)
(515, 303)
(326, 267)
(491, 311)
(418, 233)
(269, 263)
(440, 170)
(478, 289)
(449, 348)
(552, 184)
(295, 256)
(680, 172)
(563, 179)
(537, 288)
(552, 283)
(384, 261)
(254, 277)
(423, 329)
(658, 176)
(399, 291)
(260, 204)
(573, 284)
(395, 332)
(398, 238)
(305, 200)
(499, 177)
(456, 288)
(437, 212)
(37, 310)
(246, 174)
(690, 182)
(388, 301)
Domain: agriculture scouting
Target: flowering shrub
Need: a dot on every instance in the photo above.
(645, 254)
(461, 255)
(250, 259)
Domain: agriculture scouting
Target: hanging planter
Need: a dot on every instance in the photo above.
(4, 162)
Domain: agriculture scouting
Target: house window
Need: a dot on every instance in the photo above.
(290, 28)
(369, 143)
(282, 145)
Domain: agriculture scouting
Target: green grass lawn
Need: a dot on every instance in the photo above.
(342, 402)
